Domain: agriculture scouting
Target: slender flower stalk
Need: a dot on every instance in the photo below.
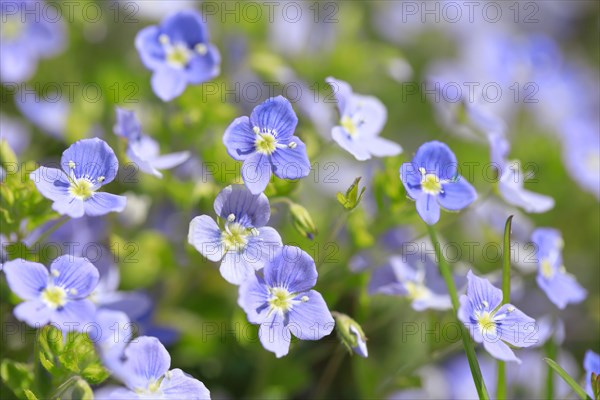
(467, 344)
(501, 386)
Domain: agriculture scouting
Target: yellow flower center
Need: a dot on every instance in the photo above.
(265, 143)
(12, 27)
(416, 291)
(152, 389)
(430, 183)
(178, 55)
(547, 270)
(235, 237)
(280, 300)
(349, 125)
(486, 323)
(54, 296)
(81, 188)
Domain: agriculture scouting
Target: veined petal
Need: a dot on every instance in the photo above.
(253, 299)
(516, 327)
(275, 336)
(310, 318)
(185, 26)
(256, 172)
(380, 147)
(127, 124)
(457, 195)
(250, 210)
(33, 312)
(500, 350)
(205, 236)
(239, 139)
(428, 208)
(482, 294)
(179, 385)
(236, 267)
(25, 278)
(147, 360)
(102, 203)
(92, 159)
(149, 48)
(291, 163)
(74, 315)
(205, 67)
(275, 114)
(74, 273)
(69, 206)
(51, 182)
(292, 269)
(411, 179)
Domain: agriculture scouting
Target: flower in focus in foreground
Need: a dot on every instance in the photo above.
(266, 145)
(560, 286)
(244, 243)
(144, 369)
(178, 53)
(142, 149)
(432, 180)
(361, 120)
(493, 324)
(58, 296)
(86, 166)
(282, 302)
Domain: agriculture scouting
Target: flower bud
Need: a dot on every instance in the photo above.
(302, 220)
(351, 334)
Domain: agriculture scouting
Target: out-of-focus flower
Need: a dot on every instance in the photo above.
(179, 53)
(142, 149)
(265, 143)
(59, 297)
(560, 287)
(432, 180)
(361, 120)
(86, 166)
(15, 133)
(245, 243)
(114, 332)
(27, 37)
(50, 116)
(144, 369)
(351, 334)
(591, 365)
(581, 153)
(282, 302)
(494, 324)
(400, 279)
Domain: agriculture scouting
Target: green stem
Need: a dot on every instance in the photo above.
(501, 385)
(467, 344)
(330, 371)
(52, 229)
(550, 353)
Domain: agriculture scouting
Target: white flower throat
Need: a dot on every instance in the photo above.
(178, 55)
(235, 235)
(266, 141)
(82, 188)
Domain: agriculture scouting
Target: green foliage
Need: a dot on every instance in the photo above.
(352, 198)
(568, 379)
(302, 221)
(17, 376)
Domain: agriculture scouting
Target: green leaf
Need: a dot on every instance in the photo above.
(568, 379)
(29, 395)
(352, 197)
(81, 391)
(17, 376)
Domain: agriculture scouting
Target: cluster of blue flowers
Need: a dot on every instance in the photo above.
(275, 282)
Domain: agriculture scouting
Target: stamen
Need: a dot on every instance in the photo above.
(55, 273)
(201, 49)
(231, 217)
(486, 304)
(71, 164)
(163, 39)
(256, 130)
(101, 179)
(511, 309)
(292, 145)
(304, 299)
(73, 291)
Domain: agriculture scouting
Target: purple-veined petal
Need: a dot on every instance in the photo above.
(127, 124)
(275, 336)
(253, 299)
(25, 278)
(93, 158)
(69, 206)
(74, 315)
(428, 208)
(512, 191)
(291, 163)
(380, 147)
(168, 83)
(102, 203)
(342, 138)
(76, 275)
(275, 114)
(147, 360)
(249, 209)
(516, 327)
(292, 269)
(436, 157)
(33, 312)
(205, 236)
(256, 172)
(411, 179)
(457, 195)
(149, 48)
(370, 112)
(171, 160)
(310, 318)
(562, 289)
(237, 267)
(481, 292)
(178, 385)
(342, 92)
(52, 183)
(239, 139)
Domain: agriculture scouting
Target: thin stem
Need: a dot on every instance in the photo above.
(330, 371)
(467, 344)
(337, 227)
(501, 382)
(53, 229)
(550, 353)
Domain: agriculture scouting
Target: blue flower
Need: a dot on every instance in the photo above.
(50, 116)
(145, 373)
(266, 144)
(27, 37)
(492, 324)
(244, 243)
(580, 157)
(512, 179)
(432, 180)
(114, 331)
(142, 149)
(178, 53)
(591, 363)
(560, 287)
(282, 302)
(15, 133)
(399, 278)
(86, 166)
(59, 297)
(361, 118)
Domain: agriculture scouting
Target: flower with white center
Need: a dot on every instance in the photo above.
(361, 120)
(492, 323)
(265, 143)
(87, 165)
(58, 296)
(243, 243)
(282, 302)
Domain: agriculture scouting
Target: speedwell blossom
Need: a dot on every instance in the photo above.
(144, 369)
(142, 149)
(178, 53)
(27, 37)
(361, 120)
(265, 143)
(282, 302)
(244, 243)
(560, 287)
(86, 166)
(432, 180)
(58, 296)
(397, 277)
(492, 323)
(591, 364)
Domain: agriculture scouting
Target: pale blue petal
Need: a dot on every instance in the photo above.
(500, 350)
(368, 113)
(178, 385)
(149, 48)
(146, 361)
(52, 183)
(75, 273)
(171, 160)
(102, 203)
(516, 327)
(428, 208)
(69, 206)
(480, 290)
(202, 68)
(237, 267)
(93, 159)
(115, 393)
(275, 114)
(250, 210)
(380, 147)
(512, 191)
(291, 268)
(342, 138)
(457, 194)
(141, 160)
(185, 26)
(168, 83)
(253, 299)
(562, 289)
(291, 163)
(205, 236)
(75, 315)
(275, 336)
(239, 139)
(114, 331)
(361, 348)
(342, 92)
(310, 319)
(26, 279)
(591, 363)
(549, 243)
(127, 124)
(33, 312)
(256, 172)
(411, 179)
